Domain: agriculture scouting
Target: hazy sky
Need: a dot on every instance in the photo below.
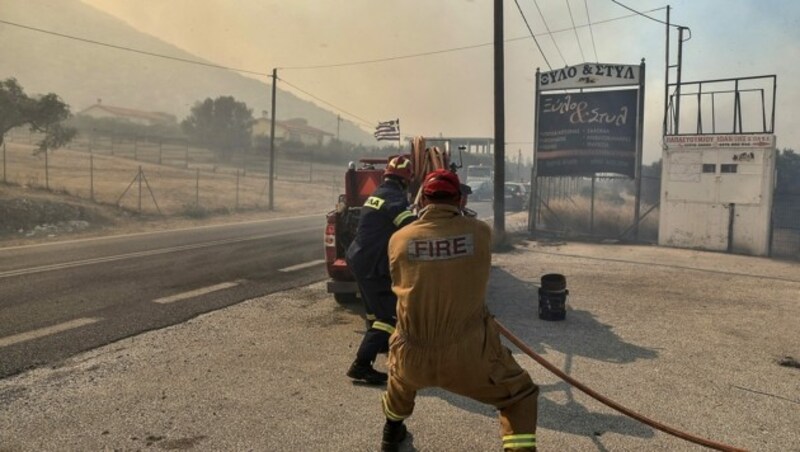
(451, 93)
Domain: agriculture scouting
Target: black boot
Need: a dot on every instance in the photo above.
(365, 373)
(394, 432)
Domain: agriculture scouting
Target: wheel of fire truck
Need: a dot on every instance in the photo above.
(345, 298)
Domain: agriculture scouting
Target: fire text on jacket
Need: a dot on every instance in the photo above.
(441, 248)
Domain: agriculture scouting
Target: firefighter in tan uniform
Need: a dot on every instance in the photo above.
(445, 336)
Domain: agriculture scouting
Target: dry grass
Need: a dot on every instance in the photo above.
(193, 191)
(610, 219)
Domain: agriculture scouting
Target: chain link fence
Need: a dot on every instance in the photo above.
(786, 225)
(598, 206)
(175, 177)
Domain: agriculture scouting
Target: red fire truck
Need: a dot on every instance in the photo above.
(361, 179)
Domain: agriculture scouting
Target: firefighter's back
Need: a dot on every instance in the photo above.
(440, 269)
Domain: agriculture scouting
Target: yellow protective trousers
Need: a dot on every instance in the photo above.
(445, 336)
(480, 368)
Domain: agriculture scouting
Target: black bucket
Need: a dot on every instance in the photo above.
(553, 297)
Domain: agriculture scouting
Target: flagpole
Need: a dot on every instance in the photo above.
(399, 137)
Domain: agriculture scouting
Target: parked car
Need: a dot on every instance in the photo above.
(481, 190)
(516, 196)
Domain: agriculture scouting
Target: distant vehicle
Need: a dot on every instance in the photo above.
(479, 173)
(516, 196)
(481, 190)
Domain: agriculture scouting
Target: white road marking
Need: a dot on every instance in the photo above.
(47, 331)
(302, 266)
(196, 292)
(99, 260)
(136, 234)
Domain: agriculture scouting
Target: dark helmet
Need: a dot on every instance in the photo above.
(399, 166)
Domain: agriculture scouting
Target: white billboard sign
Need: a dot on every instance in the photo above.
(589, 75)
(724, 141)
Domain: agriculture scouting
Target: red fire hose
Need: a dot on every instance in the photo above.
(608, 402)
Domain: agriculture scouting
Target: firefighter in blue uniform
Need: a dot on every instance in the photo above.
(386, 211)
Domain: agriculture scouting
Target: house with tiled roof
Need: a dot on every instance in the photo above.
(145, 118)
(294, 130)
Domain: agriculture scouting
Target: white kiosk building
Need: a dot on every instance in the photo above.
(717, 188)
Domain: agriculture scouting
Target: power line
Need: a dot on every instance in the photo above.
(532, 35)
(130, 49)
(605, 21)
(649, 17)
(182, 60)
(591, 32)
(569, 8)
(365, 122)
(546, 27)
(248, 71)
(383, 60)
(458, 49)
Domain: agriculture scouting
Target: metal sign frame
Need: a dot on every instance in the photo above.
(568, 79)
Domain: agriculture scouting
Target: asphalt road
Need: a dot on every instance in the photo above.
(62, 298)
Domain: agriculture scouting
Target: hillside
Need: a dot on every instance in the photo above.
(82, 73)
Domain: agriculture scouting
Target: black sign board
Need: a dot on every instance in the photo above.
(580, 134)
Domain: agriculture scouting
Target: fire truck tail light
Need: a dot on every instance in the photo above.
(330, 235)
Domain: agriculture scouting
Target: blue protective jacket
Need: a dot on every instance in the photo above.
(386, 211)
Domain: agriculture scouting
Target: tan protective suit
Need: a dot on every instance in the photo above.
(445, 337)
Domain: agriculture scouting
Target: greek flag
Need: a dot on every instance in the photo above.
(388, 130)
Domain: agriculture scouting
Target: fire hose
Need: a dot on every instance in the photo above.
(425, 160)
(608, 402)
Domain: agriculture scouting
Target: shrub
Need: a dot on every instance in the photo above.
(194, 211)
(611, 218)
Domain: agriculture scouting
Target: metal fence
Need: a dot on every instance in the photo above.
(167, 176)
(292, 164)
(786, 225)
(598, 206)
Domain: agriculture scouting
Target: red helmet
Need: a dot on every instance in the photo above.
(400, 167)
(442, 184)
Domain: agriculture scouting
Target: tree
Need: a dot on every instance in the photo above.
(44, 114)
(222, 124)
(788, 165)
(651, 183)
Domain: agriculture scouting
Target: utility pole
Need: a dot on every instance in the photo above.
(666, 79)
(639, 152)
(678, 81)
(338, 124)
(272, 142)
(499, 130)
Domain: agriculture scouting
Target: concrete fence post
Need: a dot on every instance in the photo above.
(139, 177)
(91, 177)
(46, 171)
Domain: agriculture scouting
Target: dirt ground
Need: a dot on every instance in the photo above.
(692, 339)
